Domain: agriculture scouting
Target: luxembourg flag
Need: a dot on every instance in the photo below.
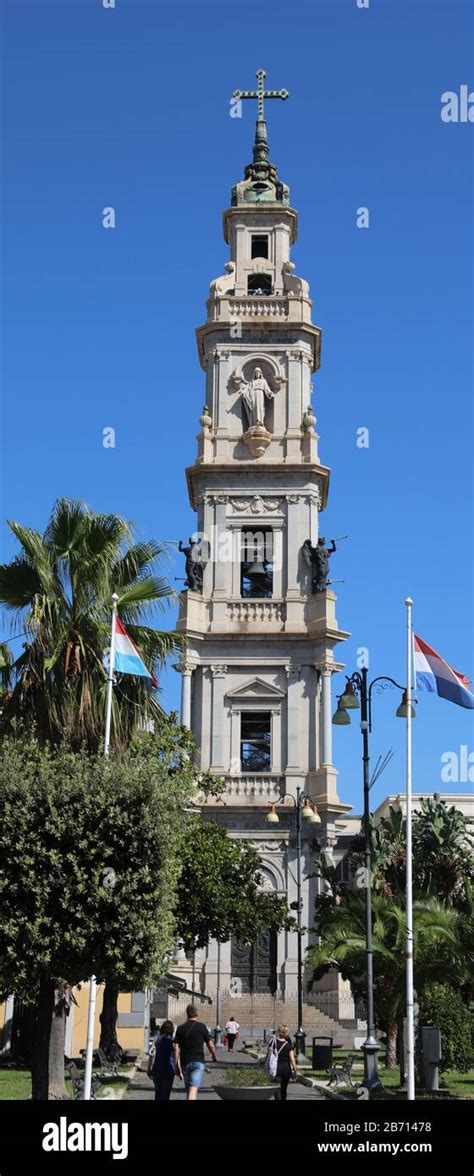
(433, 673)
(127, 659)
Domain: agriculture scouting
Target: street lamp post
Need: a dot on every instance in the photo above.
(300, 1035)
(358, 683)
(304, 805)
(218, 1030)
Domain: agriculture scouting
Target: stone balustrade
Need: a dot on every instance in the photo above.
(254, 787)
(308, 614)
(267, 307)
(256, 610)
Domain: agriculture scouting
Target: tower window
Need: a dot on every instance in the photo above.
(259, 246)
(255, 741)
(259, 284)
(257, 564)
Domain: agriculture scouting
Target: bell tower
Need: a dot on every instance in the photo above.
(258, 612)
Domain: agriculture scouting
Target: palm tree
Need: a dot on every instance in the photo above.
(437, 954)
(58, 591)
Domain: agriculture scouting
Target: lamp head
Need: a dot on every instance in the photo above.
(402, 710)
(349, 699)
(315, 818)
(272, 817)
(340, 717)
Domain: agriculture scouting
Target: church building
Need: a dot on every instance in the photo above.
(258, 611)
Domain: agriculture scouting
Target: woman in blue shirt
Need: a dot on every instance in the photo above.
(161, 1066)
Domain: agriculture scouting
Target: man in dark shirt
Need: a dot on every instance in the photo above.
(189, 1045)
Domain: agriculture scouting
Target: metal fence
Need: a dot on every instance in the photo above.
(331, 1012)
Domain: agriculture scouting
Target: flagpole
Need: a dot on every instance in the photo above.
(410, 1059)
(92, 980)
(110, 681)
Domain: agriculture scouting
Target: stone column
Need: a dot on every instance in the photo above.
(292, 544)
(293, 717)
(276, 740)
(218, 693)
(235, 764)
(326, 716)
(277, 539)
(204, 725)
(222, 555)
(236, 561)
(186, 672)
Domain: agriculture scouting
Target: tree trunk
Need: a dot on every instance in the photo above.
(57, 1088)
(108, 1016)
(42, 1035)
(392, 1046)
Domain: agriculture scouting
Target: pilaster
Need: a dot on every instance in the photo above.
(218, 674)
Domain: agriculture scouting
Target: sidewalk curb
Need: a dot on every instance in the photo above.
(324, 1090)
(124, 1090)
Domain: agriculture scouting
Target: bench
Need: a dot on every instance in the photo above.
(77, 1079)
(342, 1071)
(108, 1069)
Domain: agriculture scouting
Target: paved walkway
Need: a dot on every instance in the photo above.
(142, 1087)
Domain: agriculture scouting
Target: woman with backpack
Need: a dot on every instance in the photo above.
(282, 1051)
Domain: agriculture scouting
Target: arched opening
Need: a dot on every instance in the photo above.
(259, 284)
(256, 564)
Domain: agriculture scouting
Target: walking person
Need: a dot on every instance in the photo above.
(161, 1063)
(189, 1045)
(232, 1031)
(286, 1064)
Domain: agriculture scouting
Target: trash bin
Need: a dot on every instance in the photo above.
(322, 1053)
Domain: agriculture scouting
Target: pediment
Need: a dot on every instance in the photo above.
(256, 689)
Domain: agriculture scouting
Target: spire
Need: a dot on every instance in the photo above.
(261, 183)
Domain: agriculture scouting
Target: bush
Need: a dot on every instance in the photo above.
(248, 1076)
(440, 1005)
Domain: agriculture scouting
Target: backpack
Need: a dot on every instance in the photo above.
(271, 1060)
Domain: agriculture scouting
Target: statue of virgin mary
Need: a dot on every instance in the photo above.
(253, 396)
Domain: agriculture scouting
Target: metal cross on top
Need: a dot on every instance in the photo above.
(261, 93)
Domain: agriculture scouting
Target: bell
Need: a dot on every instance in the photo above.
(256, 571)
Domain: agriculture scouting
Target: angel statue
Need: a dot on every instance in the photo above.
(253, 396)
(195, 561)
(317, 559)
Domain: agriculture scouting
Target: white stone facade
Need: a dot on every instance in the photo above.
(271, 656)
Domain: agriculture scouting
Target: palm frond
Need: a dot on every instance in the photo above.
(150, 590)
(19, 584)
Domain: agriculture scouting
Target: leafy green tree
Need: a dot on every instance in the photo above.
(443, 858)
(437, 937)
(442, 1007)
(70, 824)
(58, 591)
(218, 892)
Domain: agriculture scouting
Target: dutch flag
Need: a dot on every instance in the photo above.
(433, 673)
(127, 659)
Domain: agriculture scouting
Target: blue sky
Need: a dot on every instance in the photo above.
(129, 107)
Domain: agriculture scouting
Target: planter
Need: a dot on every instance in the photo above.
(245, 1093)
